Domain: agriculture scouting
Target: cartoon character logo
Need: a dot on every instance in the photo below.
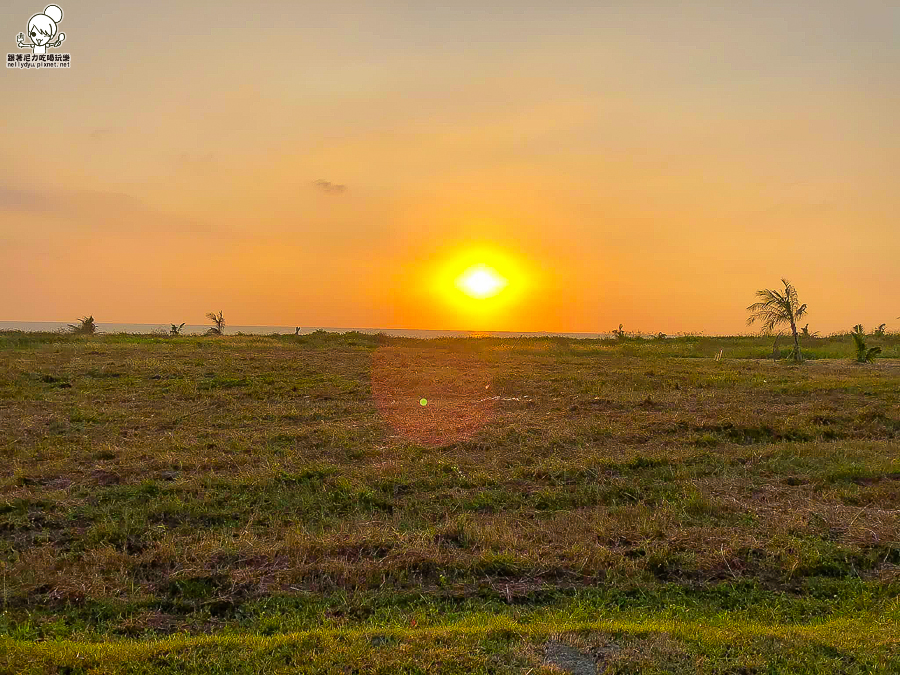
(42, 29)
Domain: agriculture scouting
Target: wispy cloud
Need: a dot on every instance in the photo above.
(91, 209)
(101, 133)
(189, 158)
(31, 201)
(197, 163)
(330, 188)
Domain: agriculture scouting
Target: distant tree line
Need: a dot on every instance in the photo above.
(774, 308)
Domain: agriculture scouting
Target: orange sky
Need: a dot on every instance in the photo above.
(637, 164)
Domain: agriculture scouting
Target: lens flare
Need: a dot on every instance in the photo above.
(433, 400)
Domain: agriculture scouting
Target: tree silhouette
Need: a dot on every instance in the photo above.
(86, 326)
(219, 321)
(776, 308)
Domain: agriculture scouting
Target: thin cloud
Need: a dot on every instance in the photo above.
(101, 133)
(330, 188)
(197, 162)
(29, 201)
(93, 209)
(198, 158)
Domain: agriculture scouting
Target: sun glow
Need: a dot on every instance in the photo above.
(481, 281)
(479, 286)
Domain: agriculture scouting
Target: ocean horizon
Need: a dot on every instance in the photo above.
(200, 329)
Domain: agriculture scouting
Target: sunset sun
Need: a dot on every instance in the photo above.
(481, 281)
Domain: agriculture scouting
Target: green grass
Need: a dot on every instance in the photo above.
(284, 503)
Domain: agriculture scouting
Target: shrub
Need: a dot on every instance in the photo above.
(864, 354)
(805, 332)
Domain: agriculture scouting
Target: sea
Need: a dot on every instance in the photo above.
(198, 329)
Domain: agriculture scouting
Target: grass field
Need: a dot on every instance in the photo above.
(288, 504)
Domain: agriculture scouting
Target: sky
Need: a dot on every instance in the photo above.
(336, 164)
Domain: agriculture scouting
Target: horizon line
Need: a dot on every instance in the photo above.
(375, 330)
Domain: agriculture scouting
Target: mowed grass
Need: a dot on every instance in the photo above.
(287, 504)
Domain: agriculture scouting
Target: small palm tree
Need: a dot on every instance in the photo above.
(620, 334)
(879, 332)
(219, 323)
(175, 330)
(85, 326)
(776, 308)
(864, 354)
(805, 332)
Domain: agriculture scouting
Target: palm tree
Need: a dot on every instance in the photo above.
(219, 321)
(86, 326)
(776, 308)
